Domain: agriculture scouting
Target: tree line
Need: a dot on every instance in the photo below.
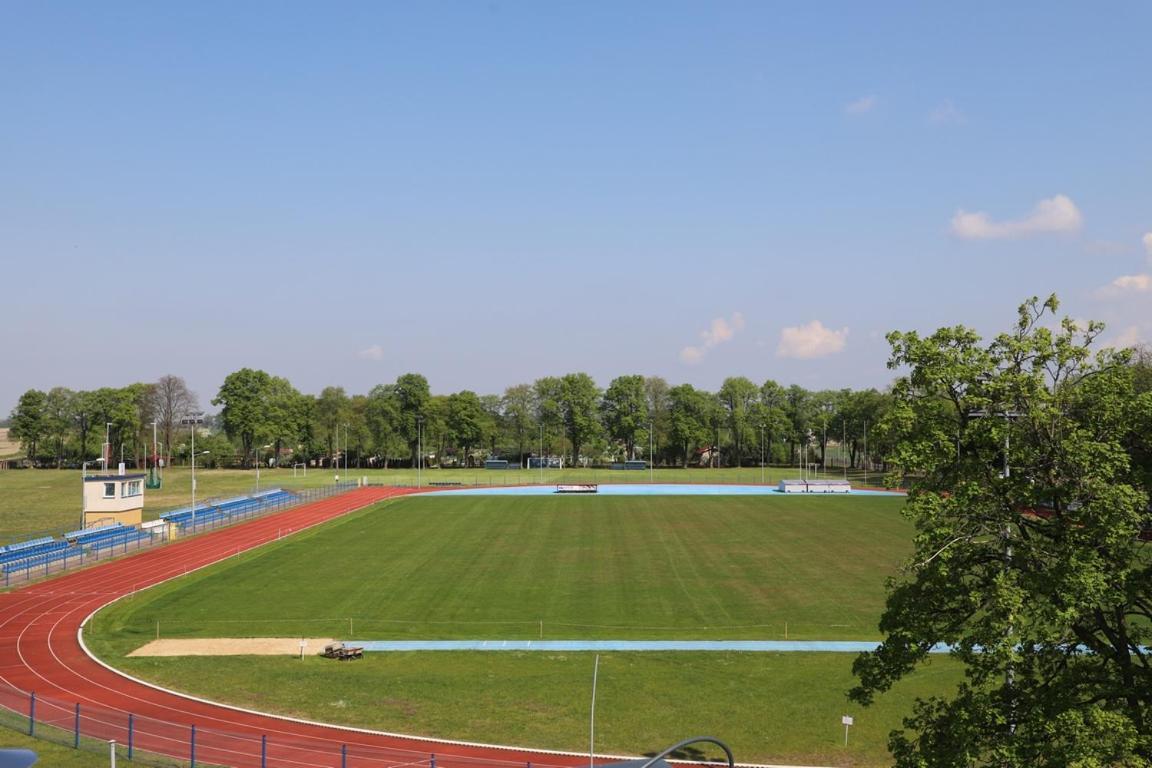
(263, 416)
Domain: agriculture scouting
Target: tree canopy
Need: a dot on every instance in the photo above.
(1029, 559)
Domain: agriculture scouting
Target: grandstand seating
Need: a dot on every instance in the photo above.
(41, 559)
(41, 552)
(44, 546)
(229, 509)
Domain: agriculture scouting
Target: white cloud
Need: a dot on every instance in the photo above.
(946, 112)
(691, 355)
(374, 352)
(860, 106)
(1147, 240)
(805, 342)
(1126, 284)
(719, 332)
(1055, 214)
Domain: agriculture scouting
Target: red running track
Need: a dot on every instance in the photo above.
(41, 652)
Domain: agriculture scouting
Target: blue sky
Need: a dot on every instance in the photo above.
(487, 193)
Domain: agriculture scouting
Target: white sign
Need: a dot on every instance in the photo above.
(846, 720)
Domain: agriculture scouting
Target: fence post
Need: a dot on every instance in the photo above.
(32, 714)
(76, 738)
(192, 750)
(263, 752)
(131, 729)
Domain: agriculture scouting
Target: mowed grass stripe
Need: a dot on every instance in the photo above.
(607, 567)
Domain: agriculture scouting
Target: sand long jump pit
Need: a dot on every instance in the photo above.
(234, 646)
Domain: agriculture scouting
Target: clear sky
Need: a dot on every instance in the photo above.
(490, 192)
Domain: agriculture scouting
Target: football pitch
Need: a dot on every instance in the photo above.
(711, 567)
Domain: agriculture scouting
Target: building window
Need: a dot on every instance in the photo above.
(109, 490)
(131, 488)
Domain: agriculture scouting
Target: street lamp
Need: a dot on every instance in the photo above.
(419, 448)
(192, 419)
(761, 453)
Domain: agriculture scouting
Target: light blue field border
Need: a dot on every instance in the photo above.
(738, 646)
(646, 489)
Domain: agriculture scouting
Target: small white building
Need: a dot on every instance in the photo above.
(113, 499)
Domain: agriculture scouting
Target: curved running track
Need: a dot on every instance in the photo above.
(40, 651)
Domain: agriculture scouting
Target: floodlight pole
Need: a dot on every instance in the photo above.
(540, 462)
(761, 453)
(192, 420)
(419, 448)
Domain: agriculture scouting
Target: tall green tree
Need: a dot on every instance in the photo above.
(547, 395)
(412, 399)
(330, 419)
(287, 416)
(659, 406)
(688, 416)
(382, 414)
(244, 397)
(624, 410)
(1029, 562)
(518, 419)
(578, 399)
(737, 395)
(29, 422)
(59, 419)
(467, 422)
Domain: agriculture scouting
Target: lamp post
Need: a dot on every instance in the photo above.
(192, 419)
(540, 461)
(419, 449)
(761, 453)
(106, 452)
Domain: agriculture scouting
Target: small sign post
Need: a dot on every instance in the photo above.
(847, 721)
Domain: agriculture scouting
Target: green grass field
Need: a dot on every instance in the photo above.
(586, 567)
(38, 502)
(683, 567)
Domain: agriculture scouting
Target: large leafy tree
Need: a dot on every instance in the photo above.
(1029, 562)
(578, 397)
(517, 420)
(59, 417)
(624, 410)
(737, 395)
(244, 395)
(468, 423)
(546, 397)
(413, 397)
(30, 421)
(688, 417)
